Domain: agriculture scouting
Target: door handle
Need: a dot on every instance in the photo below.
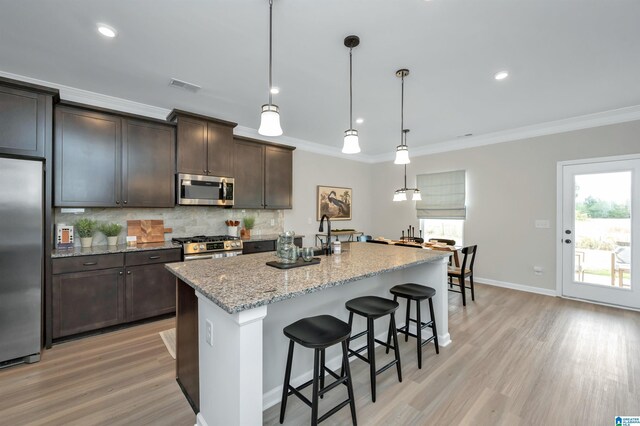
(568, 241)
(568, 232)
(154, 257)
(89, 263)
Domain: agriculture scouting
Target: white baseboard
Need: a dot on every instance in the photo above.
(519, 287)
(200, 421)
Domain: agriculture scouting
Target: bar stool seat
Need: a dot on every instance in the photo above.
(319, 333)
(371, 306)
(374, 307)
(418, 293)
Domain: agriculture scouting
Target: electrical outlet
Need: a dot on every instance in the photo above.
(209, 333)
(273, 222)
(538, 270)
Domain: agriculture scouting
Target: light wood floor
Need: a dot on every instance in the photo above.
(516, 358)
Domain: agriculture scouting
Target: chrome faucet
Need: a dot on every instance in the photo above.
(327, 251)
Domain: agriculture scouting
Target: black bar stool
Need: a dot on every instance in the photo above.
(418, 293)
(373, 307)
(318, 333)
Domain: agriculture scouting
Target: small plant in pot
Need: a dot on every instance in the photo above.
(248, 222)
(111, 231)
(86, 228)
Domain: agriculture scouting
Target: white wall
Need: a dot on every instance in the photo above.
(509, 185)
(311, 170)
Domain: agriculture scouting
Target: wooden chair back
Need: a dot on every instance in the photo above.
(469, 258)
(443, 240)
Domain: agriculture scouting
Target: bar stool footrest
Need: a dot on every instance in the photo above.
(333, 410)
(387, 366)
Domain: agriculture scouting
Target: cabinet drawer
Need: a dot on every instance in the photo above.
(153, 256)
(87, 263)
(258, 246)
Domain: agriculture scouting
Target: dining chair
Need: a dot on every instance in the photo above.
(443, 240)
(461, 273)
(620, 263)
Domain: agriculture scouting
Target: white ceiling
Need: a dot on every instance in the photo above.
(566, 58)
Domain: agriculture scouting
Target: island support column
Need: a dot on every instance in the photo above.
(231, 366)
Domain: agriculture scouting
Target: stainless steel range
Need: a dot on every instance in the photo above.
(209, 247)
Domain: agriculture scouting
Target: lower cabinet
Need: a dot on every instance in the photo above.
(250, 247)
(129, 288)
(150, 291)
(84, 301)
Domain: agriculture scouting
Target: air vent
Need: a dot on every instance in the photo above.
(184, 85)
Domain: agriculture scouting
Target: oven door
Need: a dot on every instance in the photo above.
(204, 190)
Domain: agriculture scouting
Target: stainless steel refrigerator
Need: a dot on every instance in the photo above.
(21, 259)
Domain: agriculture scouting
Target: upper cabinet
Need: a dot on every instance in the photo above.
(205, 144)
(263, 175)
(107, 160)
(25, 118)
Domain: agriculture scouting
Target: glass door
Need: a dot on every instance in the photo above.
(600, 232)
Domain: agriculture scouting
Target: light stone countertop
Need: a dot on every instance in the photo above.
(104, 249)
(244, 282)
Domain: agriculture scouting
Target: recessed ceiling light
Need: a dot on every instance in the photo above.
(275, 90)
(501, 75)
(359, 120)
(107, 30)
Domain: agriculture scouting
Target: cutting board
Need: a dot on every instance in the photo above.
(147, 230)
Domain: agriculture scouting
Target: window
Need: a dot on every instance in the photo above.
(443, 209)
(451, 229)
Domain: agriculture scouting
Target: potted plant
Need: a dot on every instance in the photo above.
(111, 231)
(248, 222)
(86, 228)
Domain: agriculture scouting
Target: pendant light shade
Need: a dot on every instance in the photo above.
(417, 196)
(270, 116)
(270, 121)
(400, 195)
(351, 144)
(402, 155)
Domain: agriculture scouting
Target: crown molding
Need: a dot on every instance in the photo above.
(588, 121)
(604, 118)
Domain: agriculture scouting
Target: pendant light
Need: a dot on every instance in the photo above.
(351, 145)
(270, 117)
(402, 151)
(401, 194)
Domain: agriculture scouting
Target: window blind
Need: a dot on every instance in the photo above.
(443, 195)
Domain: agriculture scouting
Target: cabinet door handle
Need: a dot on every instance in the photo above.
(90, 263)
(125, 201)
(117, 202)
(120, 273)
(154, 257)
(128, 272)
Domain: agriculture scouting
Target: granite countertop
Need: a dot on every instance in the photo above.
(244, 282)
(120, 248)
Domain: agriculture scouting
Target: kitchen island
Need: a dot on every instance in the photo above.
(243, 304)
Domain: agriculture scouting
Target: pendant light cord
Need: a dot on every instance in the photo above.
(350, 89)
(270, 46)
(402, 142)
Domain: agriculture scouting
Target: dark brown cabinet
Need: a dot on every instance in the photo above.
(205, 144)
(105, 160)
(25, 118)
(150, 290)
(84, 301)
(263, 175)
(93, 292)
(250, 247)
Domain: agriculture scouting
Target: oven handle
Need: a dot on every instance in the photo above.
(198, 257)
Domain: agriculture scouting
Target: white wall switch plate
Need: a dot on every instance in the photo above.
(209, 333)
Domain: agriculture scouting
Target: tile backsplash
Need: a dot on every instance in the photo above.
(186, 221)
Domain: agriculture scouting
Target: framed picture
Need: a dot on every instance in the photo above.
(335, 202)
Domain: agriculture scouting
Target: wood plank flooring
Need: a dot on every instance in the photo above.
(516, 359)
(121, 378)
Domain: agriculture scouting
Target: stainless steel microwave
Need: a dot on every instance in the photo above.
(204, 190)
